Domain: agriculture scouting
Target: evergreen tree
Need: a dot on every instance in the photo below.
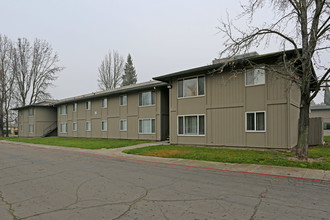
(129, 76)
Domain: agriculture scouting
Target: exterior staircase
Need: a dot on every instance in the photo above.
(51, 130)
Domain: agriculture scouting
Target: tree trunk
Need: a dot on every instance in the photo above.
(7, 124)
(302, 146)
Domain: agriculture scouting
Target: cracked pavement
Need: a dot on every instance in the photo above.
(38, 183)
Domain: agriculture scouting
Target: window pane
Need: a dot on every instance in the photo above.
(146, 98)
(249, 77)
(260, 116)
(201, 85)
(180, 124)
(250, 121)
(153, 98)
(190, 87)
(140, 99)
(153, 126)
(124, 100)
(140, 126)
(201, 125)
(180, 88)
(259, 76)
(146, 126)
(191, 125)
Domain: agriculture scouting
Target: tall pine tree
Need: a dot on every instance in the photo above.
(129, 76)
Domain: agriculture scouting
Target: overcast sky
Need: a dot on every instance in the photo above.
(162, 36)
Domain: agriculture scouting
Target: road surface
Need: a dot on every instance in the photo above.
(38, 183)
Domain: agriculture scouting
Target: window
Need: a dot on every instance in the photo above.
(147, 126)
(191, 87)
(191, 125)
(31, 111)
(63, 109)
(256, 121)
(88, 105)
(64, 127)
(123, 100)
(123, 125)
(88, 126)
(254, 77)
(326, 126)
(74, 107)
(104, 103)
(147, 98)
(74, 126)
(31, 128)
(104, 125)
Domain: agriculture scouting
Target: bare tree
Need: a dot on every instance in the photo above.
(300, 24)
(111, 71)
(35, 68)
(6, 81)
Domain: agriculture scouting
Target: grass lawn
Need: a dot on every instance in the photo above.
(78, 142)
(238, 155)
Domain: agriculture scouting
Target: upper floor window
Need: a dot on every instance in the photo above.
(88, 105)
(254, 77)
(123, 100)
(74, 107)
(63, 109)
(31, 111)
(147, 98)
(255, 121)
(191, 87)
(104, 103)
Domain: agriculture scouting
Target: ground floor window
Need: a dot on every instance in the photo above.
(123, 125)
(64, 127)
(326, 126)
(104, 125)
(74, 126)
(191, 125)
(255, 121)
(31, 128)
(88, 126)
(147, 126)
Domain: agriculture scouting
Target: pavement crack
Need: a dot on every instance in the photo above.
(10, 207)
(40, 177)
(134, 202)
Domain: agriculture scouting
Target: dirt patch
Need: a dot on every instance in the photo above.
(165, 153)
(310, 160)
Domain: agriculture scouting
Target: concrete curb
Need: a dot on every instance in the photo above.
(288, 172)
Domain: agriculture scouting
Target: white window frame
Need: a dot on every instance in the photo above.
(254, 72)
(74, 107)
(150, 119)
(187, 78)
(121, 100)
(141, 97)
(104, 122)
(66, 128)
(63, 109)
(31, 131)
(193, 135)
(74, 128)
(89, 128)
(88, 105)
(120, 127)
(104, 103)
(255, 121)
(31, 110)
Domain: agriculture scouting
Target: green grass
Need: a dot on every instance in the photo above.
(326, 138)
(78, 142)
(237, 155)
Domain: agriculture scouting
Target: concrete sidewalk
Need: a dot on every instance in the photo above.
(292, 172)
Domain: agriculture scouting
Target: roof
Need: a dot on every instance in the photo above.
(121, 90)
(44, 103)
(320, 107)
(240, 59)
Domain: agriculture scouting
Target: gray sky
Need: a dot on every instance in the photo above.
(162, 36)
